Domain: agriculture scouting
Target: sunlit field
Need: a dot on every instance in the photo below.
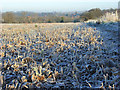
(59, 55)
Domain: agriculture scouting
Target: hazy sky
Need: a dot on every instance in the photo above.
(56, 5)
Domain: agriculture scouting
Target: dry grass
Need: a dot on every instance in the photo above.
(51, 54)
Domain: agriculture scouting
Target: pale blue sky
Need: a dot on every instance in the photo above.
(56, 5)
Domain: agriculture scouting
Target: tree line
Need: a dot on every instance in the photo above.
(30, 17)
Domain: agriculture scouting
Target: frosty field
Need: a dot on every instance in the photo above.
(59, 55)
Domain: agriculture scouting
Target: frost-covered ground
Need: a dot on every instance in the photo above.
(74, 55)
(110, 33)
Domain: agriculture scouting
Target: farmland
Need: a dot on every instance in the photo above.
(59, 55)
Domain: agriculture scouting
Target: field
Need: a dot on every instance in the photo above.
(59, 55)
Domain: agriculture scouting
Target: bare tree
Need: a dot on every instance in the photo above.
(24, 16)
(8, 17)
